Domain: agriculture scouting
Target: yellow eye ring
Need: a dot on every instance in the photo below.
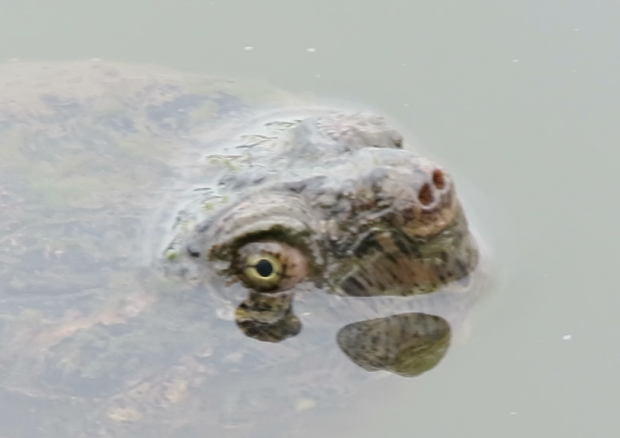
(263, 271)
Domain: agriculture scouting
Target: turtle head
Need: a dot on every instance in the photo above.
(344, 204)
(338, 203)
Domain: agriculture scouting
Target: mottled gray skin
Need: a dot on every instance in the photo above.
(131, 198)
(343, 187)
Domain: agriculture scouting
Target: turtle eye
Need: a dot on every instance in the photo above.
(263, 270)
(271, 266)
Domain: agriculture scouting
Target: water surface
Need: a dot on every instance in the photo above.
(519, 100)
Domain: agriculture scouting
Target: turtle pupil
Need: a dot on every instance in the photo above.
(264, 268)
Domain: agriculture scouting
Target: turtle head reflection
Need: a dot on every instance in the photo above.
(407, 344)
(267, 317)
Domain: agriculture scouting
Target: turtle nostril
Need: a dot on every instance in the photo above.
(425, 195)
(439, 179)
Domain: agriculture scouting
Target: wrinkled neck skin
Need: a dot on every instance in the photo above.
(368, 216)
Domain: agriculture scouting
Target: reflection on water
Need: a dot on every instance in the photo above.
(407, 344)
(267, 317)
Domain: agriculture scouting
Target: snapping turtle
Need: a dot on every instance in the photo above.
(183, 253)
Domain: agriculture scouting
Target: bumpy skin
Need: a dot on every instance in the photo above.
(104, 166)
(370, 216)
(373, 217)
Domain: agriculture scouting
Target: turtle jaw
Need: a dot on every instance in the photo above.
(391, 262)
(404, 234)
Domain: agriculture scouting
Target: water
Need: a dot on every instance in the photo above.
(519, 100)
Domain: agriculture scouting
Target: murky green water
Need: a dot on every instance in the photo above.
(519, 100)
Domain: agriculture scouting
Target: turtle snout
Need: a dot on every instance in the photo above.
(422, 200)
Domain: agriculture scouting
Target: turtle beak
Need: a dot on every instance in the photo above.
(392, 262)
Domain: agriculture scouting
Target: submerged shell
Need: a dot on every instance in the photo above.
(95, 159)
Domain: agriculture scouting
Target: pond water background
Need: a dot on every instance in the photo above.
(520, 100)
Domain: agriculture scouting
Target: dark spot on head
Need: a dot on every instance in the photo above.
(425, 195)
(396, 277)
(368, 245)
(462, 267)
(312, 184)
(203, 226)
(404, 245)
(296, 187)
(352, 287)
(193, 251)
(391, 257)
(248, 178)
(407, 214)
(439, 179)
